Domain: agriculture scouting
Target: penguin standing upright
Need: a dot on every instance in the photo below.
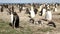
(48, 15)
(1, 8)
(20, 8)
(40, 8)
(55, 9)
(48, 6)
(43, 11)
(35, 10)
(14, 20)
(32, 13)
(27, 11)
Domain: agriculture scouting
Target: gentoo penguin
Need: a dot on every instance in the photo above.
(14, 20)
(52, 24)
(32, 13)
(20, 8)
(48, 6)
(35, 10)
(43, 11)
(55, 9)
(1, 8)
(27, 11)
(40, 8)
(48, 15)
(13, 8)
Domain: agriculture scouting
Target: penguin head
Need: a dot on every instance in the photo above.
(14, 13)
(32, 20)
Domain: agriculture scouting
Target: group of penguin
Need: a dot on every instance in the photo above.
(46, 13)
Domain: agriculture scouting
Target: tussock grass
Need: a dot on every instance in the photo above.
(45, 29)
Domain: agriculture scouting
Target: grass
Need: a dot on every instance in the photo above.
(6, 29)
(45, 29)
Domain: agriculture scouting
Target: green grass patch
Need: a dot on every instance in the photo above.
(45, 29)
(6, 29)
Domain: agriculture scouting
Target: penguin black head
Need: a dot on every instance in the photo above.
(39, 22)
(32, 20)
(14, 13)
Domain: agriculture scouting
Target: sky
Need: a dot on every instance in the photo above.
(29, 1)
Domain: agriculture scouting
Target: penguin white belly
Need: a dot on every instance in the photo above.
(40, 8)
(11, 18)
(32, 14)
(23, 8)
(43, 12)
(55, 9)
(49, 15)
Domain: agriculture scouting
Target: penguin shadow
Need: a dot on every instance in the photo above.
(51, 24)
